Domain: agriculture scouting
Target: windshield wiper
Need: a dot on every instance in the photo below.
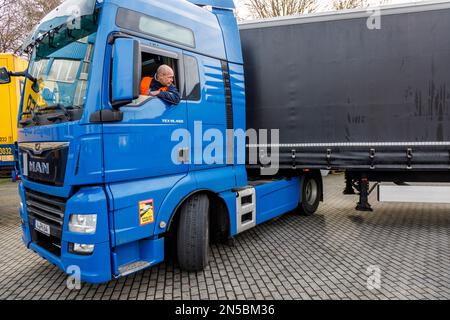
(54, 117)
(37, 116)
(57, 106)
(34, 119)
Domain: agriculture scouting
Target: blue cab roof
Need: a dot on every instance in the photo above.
(204, 24)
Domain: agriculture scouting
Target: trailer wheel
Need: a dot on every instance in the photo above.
(310, 195)
(193, 234)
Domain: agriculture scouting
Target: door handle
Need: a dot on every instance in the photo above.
(183, 155)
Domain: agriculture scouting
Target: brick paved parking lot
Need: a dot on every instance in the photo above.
(331, 255)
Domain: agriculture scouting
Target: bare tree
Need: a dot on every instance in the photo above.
(353, 4)
(11, 25)
(36, 10)
(238, 13)
(17, 19)
(278, 8)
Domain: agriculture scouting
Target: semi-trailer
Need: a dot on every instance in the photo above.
(363, 91)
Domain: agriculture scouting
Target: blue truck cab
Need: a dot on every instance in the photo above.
(111, 177)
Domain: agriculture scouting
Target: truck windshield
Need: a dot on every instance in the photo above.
(61, 63)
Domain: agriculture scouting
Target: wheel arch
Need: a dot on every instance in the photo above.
(219, 213)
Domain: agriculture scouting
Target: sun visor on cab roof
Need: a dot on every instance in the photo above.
(61, 15)
(223, 4)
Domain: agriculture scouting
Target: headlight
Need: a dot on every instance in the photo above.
(83, 223)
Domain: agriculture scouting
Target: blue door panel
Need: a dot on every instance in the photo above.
(207, 117)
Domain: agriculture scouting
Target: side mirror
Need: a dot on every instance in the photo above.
(126, 73)
(5, 77)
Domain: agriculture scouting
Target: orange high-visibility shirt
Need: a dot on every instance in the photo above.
(145, 86)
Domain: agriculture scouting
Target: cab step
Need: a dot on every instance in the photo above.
(130, 268)
(245, 209)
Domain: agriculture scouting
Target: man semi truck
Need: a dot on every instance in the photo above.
(110, 176)
(104, 181)
(9, 105)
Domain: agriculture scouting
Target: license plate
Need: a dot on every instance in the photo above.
(42, 227)
(7, 158)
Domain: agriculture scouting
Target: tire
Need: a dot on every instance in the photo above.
(193, 234)
(311, 194)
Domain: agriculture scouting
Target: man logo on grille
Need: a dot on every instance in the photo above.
(39, 167)
(37, 149)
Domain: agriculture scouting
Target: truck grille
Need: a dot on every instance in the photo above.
(50, 211)
(51, 155)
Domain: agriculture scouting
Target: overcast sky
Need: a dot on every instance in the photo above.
(324, 5)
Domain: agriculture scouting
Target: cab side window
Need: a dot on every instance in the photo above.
(193, 92)
(151, 63)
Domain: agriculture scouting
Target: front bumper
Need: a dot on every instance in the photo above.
(94, 268)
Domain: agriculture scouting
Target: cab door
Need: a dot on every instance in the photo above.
(142, 144)
(205, 98)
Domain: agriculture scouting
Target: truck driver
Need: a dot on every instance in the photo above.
(161, 85)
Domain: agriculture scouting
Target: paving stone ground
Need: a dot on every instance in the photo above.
(334, 254)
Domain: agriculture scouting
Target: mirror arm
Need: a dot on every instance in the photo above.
(113, 36)
(25, 74)
(22, 74)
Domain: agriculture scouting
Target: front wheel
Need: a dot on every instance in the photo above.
(193, 234)
(311, 194)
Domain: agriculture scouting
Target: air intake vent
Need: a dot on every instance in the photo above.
(49, 211)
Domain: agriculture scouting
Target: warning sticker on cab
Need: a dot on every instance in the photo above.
(146, 212)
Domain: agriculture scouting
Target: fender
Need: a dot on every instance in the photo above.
(214, 180)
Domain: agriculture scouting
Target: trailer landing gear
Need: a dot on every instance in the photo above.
(363, 204)
(360, 183)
